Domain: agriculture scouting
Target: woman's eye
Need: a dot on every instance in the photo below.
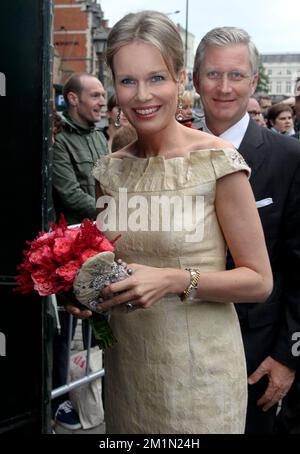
(157, 78)
(127, 81)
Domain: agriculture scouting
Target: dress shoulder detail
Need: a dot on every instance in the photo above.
(228, 160)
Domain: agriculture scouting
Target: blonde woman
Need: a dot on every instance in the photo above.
(178, 366)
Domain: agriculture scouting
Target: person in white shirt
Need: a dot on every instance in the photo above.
(225, 76)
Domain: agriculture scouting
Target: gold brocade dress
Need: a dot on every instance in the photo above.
(177, 367)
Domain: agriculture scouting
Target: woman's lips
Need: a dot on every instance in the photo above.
(146, 112)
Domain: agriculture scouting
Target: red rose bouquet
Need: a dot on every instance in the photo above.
(53, 260)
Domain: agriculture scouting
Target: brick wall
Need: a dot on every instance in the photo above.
(70, 18)
(71, 33)
(76, 27)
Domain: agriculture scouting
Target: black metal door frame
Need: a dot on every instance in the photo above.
(25, 188)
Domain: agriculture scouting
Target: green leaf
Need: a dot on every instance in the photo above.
(102, 331)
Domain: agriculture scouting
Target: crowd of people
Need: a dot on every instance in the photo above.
(207, 346)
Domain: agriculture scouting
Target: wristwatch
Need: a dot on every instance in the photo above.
(191, 289)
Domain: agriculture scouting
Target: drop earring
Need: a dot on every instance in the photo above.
(118, 118)
(179, 116)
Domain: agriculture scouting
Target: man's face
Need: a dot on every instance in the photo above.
(265, 104)
(86, 107)
(254, 110)
(225, 83)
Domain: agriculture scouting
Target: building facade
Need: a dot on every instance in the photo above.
(188, 40)
(282, 71)
(80, 34)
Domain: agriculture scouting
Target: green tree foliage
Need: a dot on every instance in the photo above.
(263, 80)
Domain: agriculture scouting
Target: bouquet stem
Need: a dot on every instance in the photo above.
(102, 331)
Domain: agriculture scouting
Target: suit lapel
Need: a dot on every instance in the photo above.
(251, 147)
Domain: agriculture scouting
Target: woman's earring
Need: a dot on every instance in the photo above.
(179, 116)
(118, 118)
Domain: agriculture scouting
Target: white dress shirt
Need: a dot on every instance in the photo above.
(235, 133)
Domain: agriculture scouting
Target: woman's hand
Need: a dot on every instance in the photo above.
(78, 312)
(145, 286)
(74, 308)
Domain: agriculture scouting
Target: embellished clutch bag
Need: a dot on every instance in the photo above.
(95, 274)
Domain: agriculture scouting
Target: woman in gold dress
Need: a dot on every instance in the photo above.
(178, 197)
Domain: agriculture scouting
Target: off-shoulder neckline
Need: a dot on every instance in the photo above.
(164, 158)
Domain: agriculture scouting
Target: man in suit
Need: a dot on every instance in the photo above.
(225, 76)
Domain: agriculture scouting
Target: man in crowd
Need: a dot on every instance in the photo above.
(254, 110)
(77, 147)
(225, 76)
(265, 103)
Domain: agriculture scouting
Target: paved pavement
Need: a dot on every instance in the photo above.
(95, 430)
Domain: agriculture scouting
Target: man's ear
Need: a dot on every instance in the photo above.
(72, 98)
(254, 83)
(196, 82)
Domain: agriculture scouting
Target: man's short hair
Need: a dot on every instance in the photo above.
(73, 83)
(267, 97)
(223, 37)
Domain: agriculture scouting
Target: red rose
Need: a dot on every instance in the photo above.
(43, 283)
(41, 255)
(68, 271)
(62, 247)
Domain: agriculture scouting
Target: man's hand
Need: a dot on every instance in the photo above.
(280, 380)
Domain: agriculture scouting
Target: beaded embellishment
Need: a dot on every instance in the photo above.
(237, 158)
(95, 274)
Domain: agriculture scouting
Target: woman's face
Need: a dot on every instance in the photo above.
(187, 109)
(145, 89)
(283, 122)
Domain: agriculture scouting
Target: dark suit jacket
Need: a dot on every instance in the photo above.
(275, 163)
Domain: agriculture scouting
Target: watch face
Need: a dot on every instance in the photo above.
(194, 274)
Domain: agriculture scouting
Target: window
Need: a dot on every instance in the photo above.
(288, 87)
(278, 87)
(269, 72)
